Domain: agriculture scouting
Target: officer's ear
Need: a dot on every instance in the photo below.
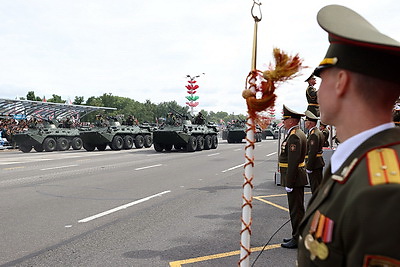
(342, 82)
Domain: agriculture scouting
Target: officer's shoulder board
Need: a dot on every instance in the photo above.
(382, 165)
(292, 132)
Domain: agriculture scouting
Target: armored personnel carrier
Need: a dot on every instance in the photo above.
(116, 136)
(236, 132)
(180, 133)
(47, 136)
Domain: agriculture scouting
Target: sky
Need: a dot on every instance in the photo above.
(144, 49)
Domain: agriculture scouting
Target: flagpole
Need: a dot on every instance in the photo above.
(249, 159)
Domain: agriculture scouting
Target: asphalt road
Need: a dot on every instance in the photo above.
(139, 208)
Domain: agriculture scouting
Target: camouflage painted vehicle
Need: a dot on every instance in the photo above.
(48, 137)
(180, 133)
(236, 132)
(116, 136)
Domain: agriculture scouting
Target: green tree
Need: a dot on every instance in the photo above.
(78, 100)
(31, 96)
(56, 99)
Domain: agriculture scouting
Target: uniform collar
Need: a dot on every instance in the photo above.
(345, 149)
(293, 127)
(309, 131)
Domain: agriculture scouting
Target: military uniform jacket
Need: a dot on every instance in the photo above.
(312, 99)
(325, 133)
(291, 159)
(311, 94)
(315, 141)
(354, 219)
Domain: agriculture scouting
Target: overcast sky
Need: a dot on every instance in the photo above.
(144, 49)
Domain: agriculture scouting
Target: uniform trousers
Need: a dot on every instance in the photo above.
(315, 179)
(296, 209)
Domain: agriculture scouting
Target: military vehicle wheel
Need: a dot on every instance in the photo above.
(128, 142)
(101, 147)
(62, 144)
(49, 144)
(192, 144)
(38, 148)
(25, 148)
(139, 141)
(207, 142)
(168, 147)
(214, 143)
(158, 147)
(117, 143)
(200, 143)
(88, 147)
(76, 143)
(148, 141)
(178, 146)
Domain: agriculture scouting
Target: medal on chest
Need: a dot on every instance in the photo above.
(319, 235)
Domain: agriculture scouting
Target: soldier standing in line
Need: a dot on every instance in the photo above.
(311, 95)
(293, 174)
(354, 218)
(314, 160)
(325, 131)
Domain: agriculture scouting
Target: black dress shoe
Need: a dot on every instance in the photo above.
(285, 240)
(291, 244)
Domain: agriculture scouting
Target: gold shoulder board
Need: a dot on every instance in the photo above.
(383, 166)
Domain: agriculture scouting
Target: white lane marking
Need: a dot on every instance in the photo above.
(235, 167)
(59, 167)
(147, 167)
(270, 154)
(10, 162)
(122, 207)
(237, 149)
(71, 157)
(210, 155)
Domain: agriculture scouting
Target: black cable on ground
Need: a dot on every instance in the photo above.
(259, 254)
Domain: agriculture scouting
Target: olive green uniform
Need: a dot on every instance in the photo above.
(354, 218)
(293, 175)
(325, 132)
(312, 99)
(314, 160)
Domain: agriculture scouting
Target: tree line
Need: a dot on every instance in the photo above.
(143, 112)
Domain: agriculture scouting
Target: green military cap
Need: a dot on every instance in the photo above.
(288, 113)
(310, 116)
(358, 46)
(310, 77)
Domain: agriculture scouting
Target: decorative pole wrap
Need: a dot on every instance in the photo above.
(191, 90)
(259, 97)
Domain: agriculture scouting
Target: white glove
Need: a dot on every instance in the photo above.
(308, 171)
(288, 189)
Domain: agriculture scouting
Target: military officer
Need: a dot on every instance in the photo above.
(325, 132)
(314, 160)
(354, 218)
(293, 175)
(311, 95)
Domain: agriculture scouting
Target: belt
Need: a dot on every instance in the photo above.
(318, 155)
(314, 105)
(285, 165)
